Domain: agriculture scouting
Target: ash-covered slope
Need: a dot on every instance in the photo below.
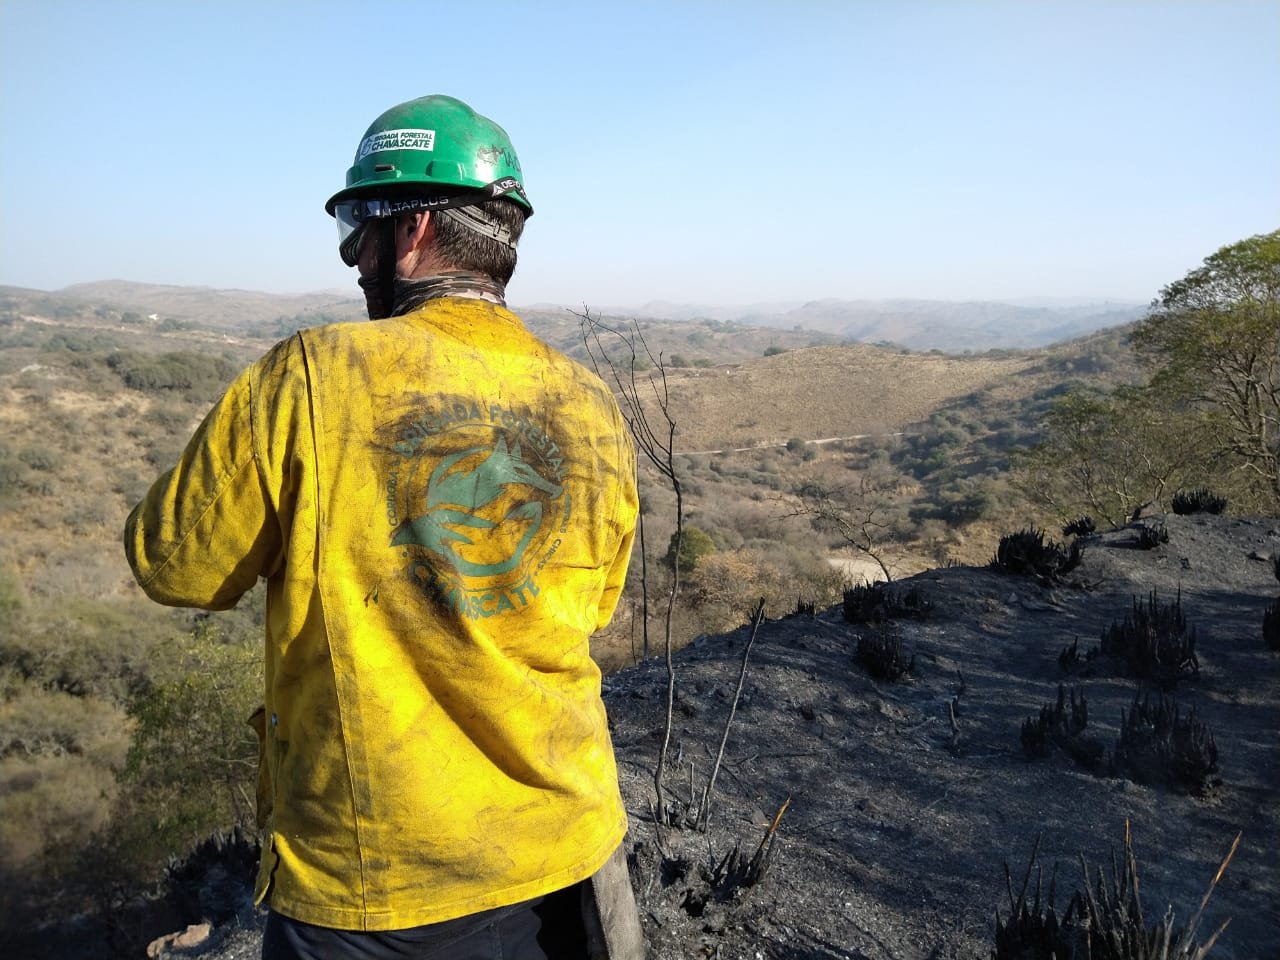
(897, 829)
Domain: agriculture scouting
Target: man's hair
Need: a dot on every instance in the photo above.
(465, 249)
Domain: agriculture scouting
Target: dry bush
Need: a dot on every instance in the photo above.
(84, 647)
(726, 586)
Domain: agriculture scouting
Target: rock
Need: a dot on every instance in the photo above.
(193, 936)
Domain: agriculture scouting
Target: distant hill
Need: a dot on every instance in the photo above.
(247, 312)
(950, 326)
(924, 324)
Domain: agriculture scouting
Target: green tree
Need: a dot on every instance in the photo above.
(1104, 454)
(1213, 339)
(690, 546)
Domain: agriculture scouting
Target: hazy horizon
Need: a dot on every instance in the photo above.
(1030, 300)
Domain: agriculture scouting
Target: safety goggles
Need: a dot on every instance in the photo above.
(354, 214)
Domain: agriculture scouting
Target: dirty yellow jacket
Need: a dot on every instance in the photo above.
(443, 509)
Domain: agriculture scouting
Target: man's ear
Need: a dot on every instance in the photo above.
(412, 231)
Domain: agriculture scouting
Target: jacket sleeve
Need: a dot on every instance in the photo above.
(207, 529)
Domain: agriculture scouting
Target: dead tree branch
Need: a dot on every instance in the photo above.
(655, 440)
(703, 819)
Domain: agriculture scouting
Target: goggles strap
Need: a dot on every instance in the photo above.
(473, 219)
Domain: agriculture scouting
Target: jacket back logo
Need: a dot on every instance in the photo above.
(475, 505)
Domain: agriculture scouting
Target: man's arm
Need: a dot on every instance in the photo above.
(207, 529)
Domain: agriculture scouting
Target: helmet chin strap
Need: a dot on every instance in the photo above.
(379, 289)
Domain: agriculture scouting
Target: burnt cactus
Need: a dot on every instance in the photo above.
(1200, 500)
(1080, 527)
(1062, 724)
(1152, 535)
(1160, 745)
(877, 602)
(1271, 626)
(881, 656)
(1027, 553)
(1070, 660)
(1102, 922)
(1154, 643)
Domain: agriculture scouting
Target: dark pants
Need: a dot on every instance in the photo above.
(548, 928)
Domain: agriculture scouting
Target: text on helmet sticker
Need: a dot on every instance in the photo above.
(396, 140)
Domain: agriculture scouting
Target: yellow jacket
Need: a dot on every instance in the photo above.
(443, 507)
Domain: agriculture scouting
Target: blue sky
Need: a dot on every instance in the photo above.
(695, 151)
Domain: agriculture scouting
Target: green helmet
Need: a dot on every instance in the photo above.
(434, 146)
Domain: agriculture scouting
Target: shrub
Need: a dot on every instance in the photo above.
(774, 351)
(181, 370)
(694, 545)
(1154, 642)
(1271, 626)
(1159, 745)
(1079, 527)
(1152, 535)
(41, 458)
(1026, 553)
(193, 762)
(1200, 500)
(877, 602)
(881, 656)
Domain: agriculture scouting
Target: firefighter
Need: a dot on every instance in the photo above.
(442, 507)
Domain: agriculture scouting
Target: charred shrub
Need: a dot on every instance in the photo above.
(1154, 642)
(877, 602)
(1271, 626)
(1152, 535)
(1027, 553)
(215, 880)
(1159, 745)
(881, 656)
(805, 608)
(1102, 922)
(1070, 661)
(1062, 724)
(1275, 565)
(1200, 500)
(1080, 527)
